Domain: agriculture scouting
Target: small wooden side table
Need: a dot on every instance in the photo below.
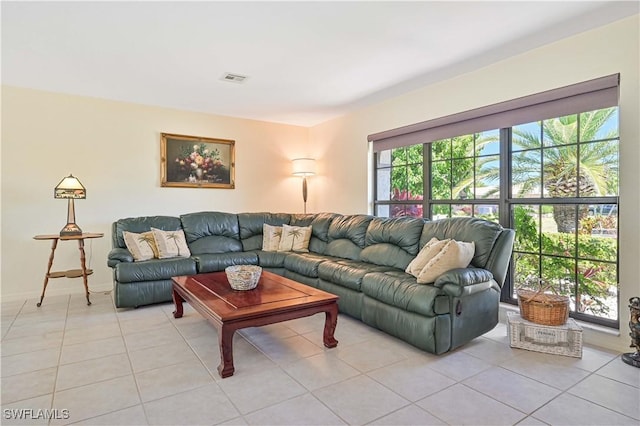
(72, 273)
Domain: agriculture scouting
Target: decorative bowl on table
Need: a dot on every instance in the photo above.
(243, 277)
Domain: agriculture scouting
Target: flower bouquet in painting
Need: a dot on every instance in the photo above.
(198, 163)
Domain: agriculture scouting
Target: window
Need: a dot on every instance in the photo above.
(552, 179)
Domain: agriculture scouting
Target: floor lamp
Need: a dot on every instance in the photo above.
(304, 167)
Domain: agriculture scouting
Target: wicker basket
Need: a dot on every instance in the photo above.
(543, 308)
(243, 277)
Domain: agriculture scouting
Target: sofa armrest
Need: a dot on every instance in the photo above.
(456, 281)
(118, 255)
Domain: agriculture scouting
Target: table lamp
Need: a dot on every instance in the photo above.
(304, 167)
(70, 188)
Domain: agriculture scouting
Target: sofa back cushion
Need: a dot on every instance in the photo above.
(319, 223)
(482, 232)
(347, 235)
(141, 224)
(251, 227)
(392, 241)
(211, 232)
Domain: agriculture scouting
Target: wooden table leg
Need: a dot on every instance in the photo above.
(178, 301)
(54, 244)
(84, 269)
(225, 340)
(330, 322)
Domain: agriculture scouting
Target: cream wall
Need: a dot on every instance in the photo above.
(114, 149)
(607, 50)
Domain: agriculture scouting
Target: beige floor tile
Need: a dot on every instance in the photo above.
(161, 335)
(543, 368)
(267, 333)
(360, 400)
(30, 361)
(412, 379)
(307, 324)
(133, 416)
(91, 319)
(351, 332)
(287, 350)
(620, 397)
(410, 415)
(165, 381)
(459, 404)
(238, 421)
(205, 405)
(320, 370)
(259, 390)
(519, 392)
(301, 410)
(92, 349)
(92, 371)
(91, 332)
(618, 370)
(146, 323)
(458, 365)
(489, 350)
(193, 328)
(247, 359)
(571, 410)
(28, 328)
(52, 340)
(93, 400)
(368, 355)
(28, 411)
(28, 385)
(161, 356)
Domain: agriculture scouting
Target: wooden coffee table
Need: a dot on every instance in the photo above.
(275, 299)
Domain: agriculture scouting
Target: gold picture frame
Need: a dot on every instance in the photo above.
(196, 162)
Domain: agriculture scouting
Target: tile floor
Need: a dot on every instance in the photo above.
(104, 366)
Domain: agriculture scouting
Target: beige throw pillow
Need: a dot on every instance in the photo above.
(454, 254)
(427, 253)
(142, 246)
(295, 238)
(271, 236)
(171, 243)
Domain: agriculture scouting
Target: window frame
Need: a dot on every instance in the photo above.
(506, 203)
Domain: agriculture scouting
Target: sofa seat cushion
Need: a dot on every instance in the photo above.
(218, 261)
(399, 289)
(271, 259)
(347, 273)
(305, 263)
(154, 269)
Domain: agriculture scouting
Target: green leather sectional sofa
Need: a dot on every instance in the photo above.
(360, 258)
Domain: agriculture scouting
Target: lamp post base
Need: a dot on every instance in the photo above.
(631, 358)
(70, 229)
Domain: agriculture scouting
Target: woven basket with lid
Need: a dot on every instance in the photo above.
(543, 308)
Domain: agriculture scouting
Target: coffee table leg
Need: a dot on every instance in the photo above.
(178, 300)
(225, 340)
(330, 322)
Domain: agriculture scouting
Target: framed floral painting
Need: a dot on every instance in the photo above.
(197, 162)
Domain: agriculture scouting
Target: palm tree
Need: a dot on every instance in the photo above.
(568, 170)
(173, 236)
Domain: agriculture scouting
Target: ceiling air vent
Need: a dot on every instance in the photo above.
(233, 78)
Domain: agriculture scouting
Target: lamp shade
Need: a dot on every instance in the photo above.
(69, 187)
(304, 167)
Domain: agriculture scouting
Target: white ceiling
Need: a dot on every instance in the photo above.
(307, 62)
